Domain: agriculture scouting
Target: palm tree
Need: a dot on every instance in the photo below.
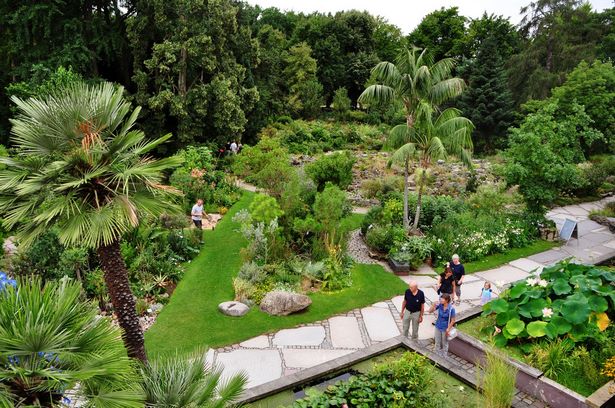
(419, 86)
(187, 382)
(53, 346)
(431, 140)
(81, 167)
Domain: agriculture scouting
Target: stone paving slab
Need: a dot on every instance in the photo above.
(301, 336)
(382, 305)
(379, 323)
(504, 274)
(421, 280)
(430, 294)
(305, 358)
(345, 332)
(261, 366)
(260, 342)
(527, 265)
(610, 244)
(550, 257)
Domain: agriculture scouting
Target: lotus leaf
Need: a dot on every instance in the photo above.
(561, 287)
(598, 304)
(575, 311)
(536, 329)
(515, 326)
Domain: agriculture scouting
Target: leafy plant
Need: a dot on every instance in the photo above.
(497, 381)
(411, 250)
(335, 168)
(576, 301)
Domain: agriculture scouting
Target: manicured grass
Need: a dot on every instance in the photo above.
(352, 222)
(495, 260)
(191, 318)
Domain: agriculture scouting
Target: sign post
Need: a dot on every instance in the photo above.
(569, 230)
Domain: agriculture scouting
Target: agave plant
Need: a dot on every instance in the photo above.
(53, 347)
(81, 167)
(176, 381)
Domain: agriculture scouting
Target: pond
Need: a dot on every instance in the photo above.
(455, 392)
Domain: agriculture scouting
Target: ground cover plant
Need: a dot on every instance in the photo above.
(191, 318)
(559, 322)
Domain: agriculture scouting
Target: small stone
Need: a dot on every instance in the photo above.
(279, 303)
(233, 308)
(156, 307)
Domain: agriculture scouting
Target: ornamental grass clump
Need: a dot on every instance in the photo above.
(497, 380)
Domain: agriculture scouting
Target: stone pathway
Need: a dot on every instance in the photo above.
(270, 356)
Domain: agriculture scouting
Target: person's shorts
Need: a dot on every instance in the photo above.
(198, 223)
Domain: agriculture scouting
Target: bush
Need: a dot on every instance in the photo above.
(382, 238)
(498, 381)
(402, 382)
(411, 250)
(341, 103)
(252, 273)
(335, 168)
(377, 188)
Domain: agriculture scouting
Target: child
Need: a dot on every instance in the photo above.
(485, 293)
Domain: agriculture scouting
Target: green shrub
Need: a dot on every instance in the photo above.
(376, 188)
(252, 273)
(372, 218)
(335, 168)
(411, 250)
(341, 103)
(382, 238)
(402, 382)
(264, 208)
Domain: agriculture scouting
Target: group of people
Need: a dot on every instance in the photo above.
(449, 291)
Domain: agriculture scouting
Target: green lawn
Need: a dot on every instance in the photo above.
(191, 318)
(495, 260)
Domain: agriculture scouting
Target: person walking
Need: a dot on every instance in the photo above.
(445, 321)
(459, 272)
(197, 214)
(412, 309)
(234, 147)
(446, 282)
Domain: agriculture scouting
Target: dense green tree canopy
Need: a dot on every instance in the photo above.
(443, 32)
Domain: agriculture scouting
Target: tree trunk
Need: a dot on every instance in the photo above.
(406, 216)
(116, 278)
(183, 72)
(419, 202)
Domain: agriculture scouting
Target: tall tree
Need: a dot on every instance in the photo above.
(188, 68)
(81, 167)
(419, 86)
(487, 102)
(432, 139)
(559, 34)
(305, 92)
(443, 32)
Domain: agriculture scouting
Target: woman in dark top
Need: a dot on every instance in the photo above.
(446, 282)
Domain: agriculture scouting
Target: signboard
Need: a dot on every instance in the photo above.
(569, 230)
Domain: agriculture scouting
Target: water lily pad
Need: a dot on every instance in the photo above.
(515, 326)
(499, 305)
(536, 329)
(559, 325)
(516, 291)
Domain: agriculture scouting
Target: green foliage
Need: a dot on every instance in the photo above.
(190, 62)
(305, 92)
(497, 381)
(330, 207)
(254, 159)
(265, 209)
(335, 168)
(402, 382)
(544, 151)
(566, 300)
(41, 361)
(443, 32)
(411, 250)
(382, 238)
(176, 380)
(341, 103)
(44, 82)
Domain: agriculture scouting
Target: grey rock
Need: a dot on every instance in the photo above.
(9, 246)
(279, 303)
(606, 221)
(233, 308)
(156, 307)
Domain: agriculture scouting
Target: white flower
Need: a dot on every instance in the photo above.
(547, 312)
(499, 283)
(149, 310)
(543, 283)
(442, 391)
(531, 281)
(461, 388)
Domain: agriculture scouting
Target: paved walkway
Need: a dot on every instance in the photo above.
(270, 356)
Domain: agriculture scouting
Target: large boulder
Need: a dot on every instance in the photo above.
(606, 221)
(233, 308)
(279, 303)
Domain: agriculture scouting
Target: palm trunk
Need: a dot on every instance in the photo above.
(406, 215)
(116, 278)
(419, 202)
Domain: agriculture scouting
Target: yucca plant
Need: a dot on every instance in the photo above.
(187, 381)
(53, 346)
(81, 167)
(419, 85)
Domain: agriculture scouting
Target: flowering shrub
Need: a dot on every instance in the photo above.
(575, 301)
(411, 250)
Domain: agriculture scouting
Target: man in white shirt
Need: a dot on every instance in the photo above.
(234, 147)
(197, 214)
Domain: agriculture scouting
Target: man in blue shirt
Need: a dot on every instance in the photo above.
(458, 272)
